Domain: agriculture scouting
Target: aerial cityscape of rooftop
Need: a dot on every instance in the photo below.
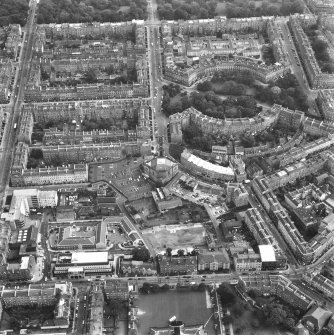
(167, 167)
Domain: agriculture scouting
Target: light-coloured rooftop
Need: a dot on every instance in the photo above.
(267, 253)
(89, 257)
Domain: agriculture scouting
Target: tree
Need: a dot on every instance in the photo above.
(176, 107)
(169, 252)
(180, 252)
(90, 76)
(36, 153)
(201, 287)
(274, 313)
(140, 254)
(227, 296)
(253, 293)
(289, 323)
(180, 14)
(114, 307)
(237, 309)
(228, 319)
(204, 86)
(185, 102)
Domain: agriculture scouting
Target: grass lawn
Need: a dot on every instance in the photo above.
(124, 9)
(188, 306)
(179, 238)
(176, 99)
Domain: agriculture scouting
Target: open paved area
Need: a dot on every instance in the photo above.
(188, 306)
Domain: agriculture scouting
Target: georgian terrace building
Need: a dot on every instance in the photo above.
(210, 125)
(206, 67)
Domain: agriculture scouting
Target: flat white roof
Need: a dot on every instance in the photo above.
(24, 262)
(267, 253)
(75, 269)
(25, 192)
(207, 165)
(90, 257)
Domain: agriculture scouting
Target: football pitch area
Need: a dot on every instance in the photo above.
(181, 238)
(188, 306)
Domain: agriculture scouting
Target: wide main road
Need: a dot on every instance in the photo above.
(10, 134)
(155, 64)
(215, 278)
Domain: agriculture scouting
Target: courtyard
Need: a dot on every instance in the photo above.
(22, 317)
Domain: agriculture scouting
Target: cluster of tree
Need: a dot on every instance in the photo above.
(90, 76)
(171, 106)
(240, 78)
(172, 89)
(285, 91)
(56, 161)
(248, 8)
(110, 70)
(320, 48)
(193, 137)
(35, 158)
(140, 254)
(277, 314)
(227, 83)
(289, 93)
(37, 136)
(226, 88)
(201, 9)
(211, 104)
(36, 153)
(13, 12)
(153, 288)
(271, 136)
(13, 276)
(186, 9)
(268, 54)
(254, 293)
(227, 294)
(325, 331)
(92, 124)
(60, 11)
(113, 308)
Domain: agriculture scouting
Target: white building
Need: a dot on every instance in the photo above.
(26, 199)
(47, 198)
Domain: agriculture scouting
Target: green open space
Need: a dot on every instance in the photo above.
(202, 9)
(61, 11)
(188, 306)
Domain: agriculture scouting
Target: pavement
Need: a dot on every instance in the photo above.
(38, 271)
